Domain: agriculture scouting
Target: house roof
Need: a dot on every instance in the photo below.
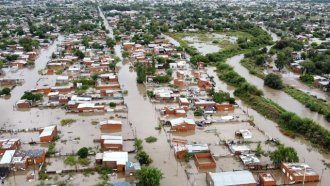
(111, 122)
(7, 157)
(179, 121)
(232, 178)
(47, 131)
(119, 157)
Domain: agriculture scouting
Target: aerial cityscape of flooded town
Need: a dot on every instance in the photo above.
(164, 92)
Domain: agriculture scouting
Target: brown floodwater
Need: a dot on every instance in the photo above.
(304, 149)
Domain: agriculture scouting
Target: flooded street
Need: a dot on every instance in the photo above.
(8, 115)
(304, 149)
(144, 118)
(278, 96)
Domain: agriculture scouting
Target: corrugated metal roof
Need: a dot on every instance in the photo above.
(232, 178)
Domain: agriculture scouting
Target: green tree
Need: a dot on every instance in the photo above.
(5, 91)
(110, 42)
(273, 81)
(141, 73)
(149, 176)
(30, 96)
(83, 152)
(220, 97)
(143, 158)
(284, 154)
(259, 150)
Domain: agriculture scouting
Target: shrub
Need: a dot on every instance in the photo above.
(273, 81)
(143, 158)
(151, 139)
(83, 152)
(112, 104)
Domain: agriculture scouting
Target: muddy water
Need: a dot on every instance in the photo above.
(305, 151)
(144, 118)
(31, 76)
(278, 96)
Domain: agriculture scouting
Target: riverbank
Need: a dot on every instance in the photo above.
(309, 101)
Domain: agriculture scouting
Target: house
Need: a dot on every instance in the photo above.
(114, 143)
(177, 111)
(204, 103)
(299, 172)
(182, 124)
(237, 178)
(239, 149)
(9, 144)
(204, 160)
(249, 159)
(23, 159)
(48, 134)
(90, 107)
(23, 104)
(245, 133)
(6, 158)
(183, 102)
(224, 107)
(131, 168)
(111, 124)
(266, 179)
(181, 150)
(204, 84)
(114, 160)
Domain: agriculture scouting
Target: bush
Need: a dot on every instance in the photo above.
(70, 160)
(67, 121)
(151, 139)
(149, 176)
(273, 81)
(112, 104)
(83, 152)
(143, 158)
(5, 91)
(138, 144)
(306, 78)
(198, 112)
(30, 96)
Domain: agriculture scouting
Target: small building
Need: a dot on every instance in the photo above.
(224, 107)
(245, 133)
(131, 168)
(182, 124)
(204, 160)
(48, 134)
(9, 144)
(183, 102)
(114, 143)
(6, 158)
(297, 172)
(111, 124)
(24, 104)
(239, 149)
(237, 178)
(181, 150)
(114, 160)
(266, 179)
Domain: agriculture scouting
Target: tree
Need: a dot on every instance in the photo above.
(280, 61)
(273, 81)
(149, 176)
(143, 158)
(141, 73)
(284, 154)
(110, 42)
(83, 152)
(259, 150)
(5, 91)
(30, 96)
(79, 53)
(309, 66)
(198, 112)
(220, 97)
